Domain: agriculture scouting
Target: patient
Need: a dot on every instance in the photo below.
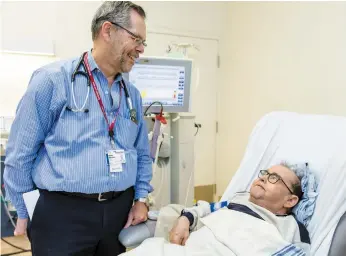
(259, 222)
(271, 198)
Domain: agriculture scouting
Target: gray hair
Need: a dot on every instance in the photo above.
(116, 12)
(299, 172)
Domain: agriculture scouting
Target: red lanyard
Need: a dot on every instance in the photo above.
(98, 97)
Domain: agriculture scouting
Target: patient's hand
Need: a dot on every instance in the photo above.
(180, 232)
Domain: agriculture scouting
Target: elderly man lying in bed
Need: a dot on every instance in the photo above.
(259, 222)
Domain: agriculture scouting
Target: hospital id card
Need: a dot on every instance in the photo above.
(115, 160)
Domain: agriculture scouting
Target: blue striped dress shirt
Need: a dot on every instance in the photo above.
(52, 148)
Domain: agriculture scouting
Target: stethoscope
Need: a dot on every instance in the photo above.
(81, 62)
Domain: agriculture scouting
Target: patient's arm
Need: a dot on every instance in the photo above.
(201, 210)
(180, 231)
(193, 214)
(189, 220)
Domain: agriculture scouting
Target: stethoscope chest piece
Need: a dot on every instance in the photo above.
(133, 116)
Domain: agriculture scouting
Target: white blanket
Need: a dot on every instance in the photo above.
(237, 234)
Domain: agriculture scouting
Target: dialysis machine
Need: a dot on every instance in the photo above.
(165, 87)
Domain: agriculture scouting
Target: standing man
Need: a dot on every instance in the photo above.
(84, 147)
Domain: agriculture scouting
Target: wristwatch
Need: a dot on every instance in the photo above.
(148, 200)
(142, 200)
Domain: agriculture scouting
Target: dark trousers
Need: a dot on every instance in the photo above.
(69, 225)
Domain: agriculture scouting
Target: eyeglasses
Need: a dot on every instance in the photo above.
(136, 38)
(273, 178)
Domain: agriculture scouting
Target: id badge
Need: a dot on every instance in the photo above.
(115, 160)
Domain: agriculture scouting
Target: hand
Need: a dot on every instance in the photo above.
(21, 227)
(180, 232)
(137, 214)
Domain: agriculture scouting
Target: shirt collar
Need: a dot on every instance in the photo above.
(92, 62)
(118, 77)
(94, 66)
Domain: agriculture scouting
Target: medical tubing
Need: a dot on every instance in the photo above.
(154, 150)
(163, 169)
(155, 102)
(188, 191)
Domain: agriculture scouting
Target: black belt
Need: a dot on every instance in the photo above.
(98, 196)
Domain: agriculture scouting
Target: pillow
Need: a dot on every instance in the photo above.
(304, 210)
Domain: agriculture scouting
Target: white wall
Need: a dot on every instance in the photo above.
(200, 19)
(177, 18)
(1, 15)
(16, 71)
(278, 56)
(67, 24)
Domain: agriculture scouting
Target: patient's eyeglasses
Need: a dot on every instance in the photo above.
(273, 178)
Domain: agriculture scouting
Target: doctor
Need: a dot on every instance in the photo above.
(84, 147)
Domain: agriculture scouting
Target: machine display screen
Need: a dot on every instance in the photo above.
(159, 83)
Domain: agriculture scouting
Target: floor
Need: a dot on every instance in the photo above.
(20, 241)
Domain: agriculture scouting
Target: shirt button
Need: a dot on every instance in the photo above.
(106, 92)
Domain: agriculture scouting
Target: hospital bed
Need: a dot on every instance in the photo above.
(319, 140)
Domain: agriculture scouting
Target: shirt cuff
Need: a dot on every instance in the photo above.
(141, 193)
(21, 209)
